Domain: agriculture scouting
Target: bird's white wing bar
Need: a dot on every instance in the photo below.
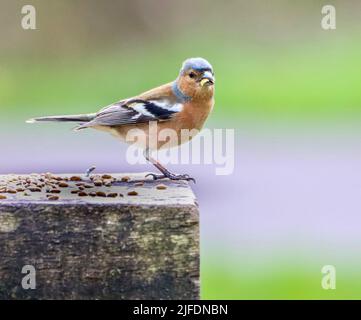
(141, 108)
(165, 104)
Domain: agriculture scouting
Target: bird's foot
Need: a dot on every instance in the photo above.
(171, 176)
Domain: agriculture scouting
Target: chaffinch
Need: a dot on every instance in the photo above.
(184, 103)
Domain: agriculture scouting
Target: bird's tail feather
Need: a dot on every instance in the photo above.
(80, 118)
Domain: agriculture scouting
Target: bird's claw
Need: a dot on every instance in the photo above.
(171, 176)
(154, 176)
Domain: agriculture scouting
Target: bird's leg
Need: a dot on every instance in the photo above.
(165, 172)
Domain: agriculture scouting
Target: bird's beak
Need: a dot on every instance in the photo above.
(207, 79)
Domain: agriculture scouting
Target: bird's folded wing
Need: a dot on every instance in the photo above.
(134, 111)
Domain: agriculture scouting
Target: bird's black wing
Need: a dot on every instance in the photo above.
(134, 111)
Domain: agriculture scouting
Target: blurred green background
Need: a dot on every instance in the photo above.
(271, 59)
(273, 62)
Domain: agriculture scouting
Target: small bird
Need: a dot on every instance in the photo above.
(184, 103)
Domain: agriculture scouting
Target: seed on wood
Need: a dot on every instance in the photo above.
(20, 190)
(34, 189)
(98, 183)
(101, 194)
(81, 188)
(74, 191)
(48, 175)
(108, 184)
(53, 198)
(75, 178)
(138, 184)
(107, 176)
(63, 185)
(88, 186)
(54, 191)
(82, 194)
(2, 197)
(95, 177)
(112, 195)
(92, 194)
(79, 184)
(121, 195)
(125, 179)
(11, 191)
(161, 187)
(132, 193)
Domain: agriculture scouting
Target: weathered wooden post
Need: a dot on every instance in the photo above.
(108, 237)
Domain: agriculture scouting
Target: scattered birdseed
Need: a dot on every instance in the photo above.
(48, 175)
(101, 194)
(107, 176)
(53, 198)
(75, 178)
(81, 188)
(138, 184)
(74, 191)
(161, 187)
(98, 183)
(20, 190)
(11, 191)
(63, 185)
(132, 193)
(125, 179)
(2, 197)
(54, 191)
(92, 194)
(112, 195)
(108, 184)
(88, 186)
(82, 194)
(34, 189)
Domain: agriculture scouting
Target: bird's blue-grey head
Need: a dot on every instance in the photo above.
(198, 64)
(200, 70)
(196, 77)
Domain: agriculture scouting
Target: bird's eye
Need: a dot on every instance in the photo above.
(192, 75)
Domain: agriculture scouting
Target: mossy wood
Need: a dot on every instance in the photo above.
(142, 243)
